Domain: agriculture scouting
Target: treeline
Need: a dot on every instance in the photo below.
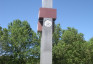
(19, 44)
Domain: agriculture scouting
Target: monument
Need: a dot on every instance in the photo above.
(47, 16)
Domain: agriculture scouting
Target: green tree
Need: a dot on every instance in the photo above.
(21, 45)
(1, 33)
(57, 35)
(90, 43)
(71, 48)
(19, 40)
(71, 35)
(4, 39)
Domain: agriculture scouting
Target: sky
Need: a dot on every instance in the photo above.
(70, 13)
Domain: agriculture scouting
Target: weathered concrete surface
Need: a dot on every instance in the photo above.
(47, 3)
(46, 44)
(46, 40)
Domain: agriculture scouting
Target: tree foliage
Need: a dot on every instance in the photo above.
(19, 44)
(19, 40)
(72, 48)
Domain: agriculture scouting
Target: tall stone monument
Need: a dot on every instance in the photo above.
(47, 16)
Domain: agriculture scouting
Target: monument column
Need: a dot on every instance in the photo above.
(47, 16)
(46, 42)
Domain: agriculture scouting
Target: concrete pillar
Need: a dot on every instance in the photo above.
(47, 4)
(46, 42)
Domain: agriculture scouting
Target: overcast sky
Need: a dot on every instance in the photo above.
(70, 13)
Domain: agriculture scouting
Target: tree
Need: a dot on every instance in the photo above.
(3, 38)
(90, 45)
(19, 40)
(1, 33)
(21, 45)
(57, 34)
(71, 48)
(71, 35)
